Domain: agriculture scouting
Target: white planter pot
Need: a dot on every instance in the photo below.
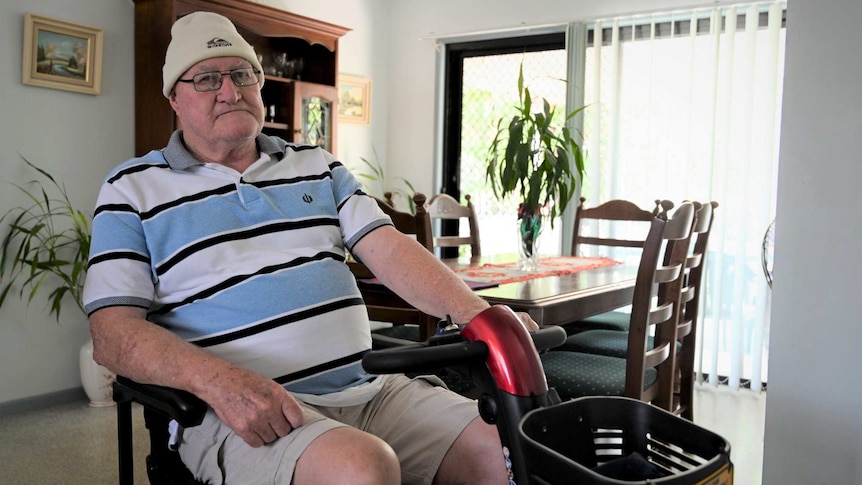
(96, 379)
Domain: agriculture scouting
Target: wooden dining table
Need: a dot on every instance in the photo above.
(560, 299)
(549, 299)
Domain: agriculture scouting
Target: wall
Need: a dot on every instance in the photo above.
(814, 408)
(77, 137)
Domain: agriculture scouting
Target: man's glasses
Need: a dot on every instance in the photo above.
(212, 81)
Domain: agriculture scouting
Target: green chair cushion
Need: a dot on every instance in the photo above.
(575, 374)
(618, 321)
(603, 342)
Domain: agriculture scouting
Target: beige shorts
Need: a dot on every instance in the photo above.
(419, 420)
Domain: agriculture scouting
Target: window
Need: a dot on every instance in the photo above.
(481, 86)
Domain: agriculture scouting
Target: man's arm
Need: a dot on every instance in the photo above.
(256, 407)
(418, 276)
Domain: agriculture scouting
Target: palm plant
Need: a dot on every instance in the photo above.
(47, 245)
(530, 156)
(377, 175)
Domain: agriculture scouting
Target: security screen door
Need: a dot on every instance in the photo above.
(481, 86)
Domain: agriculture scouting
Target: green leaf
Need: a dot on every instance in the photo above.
(533, 157)
(47, 245)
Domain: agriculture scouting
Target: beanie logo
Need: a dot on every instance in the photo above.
(218, 42)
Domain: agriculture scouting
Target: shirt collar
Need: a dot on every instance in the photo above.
(180, 158)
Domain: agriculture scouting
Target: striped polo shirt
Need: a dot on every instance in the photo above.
(249, 266)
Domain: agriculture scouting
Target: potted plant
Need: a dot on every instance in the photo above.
(47, 249)
(532, 156)
(378, 176)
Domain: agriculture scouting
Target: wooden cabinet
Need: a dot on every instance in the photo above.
(301, 106)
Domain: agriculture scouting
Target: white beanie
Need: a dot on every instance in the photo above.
(199, 36)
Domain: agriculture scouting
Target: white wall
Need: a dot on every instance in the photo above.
(814, 405)
(77, 137)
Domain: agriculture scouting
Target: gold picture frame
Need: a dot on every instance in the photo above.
(354, 99)
(62, 55)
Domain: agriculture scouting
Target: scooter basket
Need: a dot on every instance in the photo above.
(618, 440)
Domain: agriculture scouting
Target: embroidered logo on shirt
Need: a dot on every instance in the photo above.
(218, 42)
(307, 199)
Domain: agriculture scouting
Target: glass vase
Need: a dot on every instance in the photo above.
(529, 230)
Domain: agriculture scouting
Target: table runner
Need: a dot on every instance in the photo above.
(501, 273)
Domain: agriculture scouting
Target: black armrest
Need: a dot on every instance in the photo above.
(184, 407)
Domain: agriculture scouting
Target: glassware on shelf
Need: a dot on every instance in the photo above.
(298, 66)
(280, 60)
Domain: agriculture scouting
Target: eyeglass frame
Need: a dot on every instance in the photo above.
(221, 74)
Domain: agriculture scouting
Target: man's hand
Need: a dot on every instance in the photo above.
(528, 321)
(257, 408)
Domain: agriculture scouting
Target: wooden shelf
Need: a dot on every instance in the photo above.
(276, 126)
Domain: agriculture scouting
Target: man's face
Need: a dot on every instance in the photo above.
(228, 114)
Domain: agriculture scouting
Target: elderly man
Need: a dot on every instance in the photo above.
(217, 266)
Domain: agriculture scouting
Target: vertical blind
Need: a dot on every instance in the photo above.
(686, 106)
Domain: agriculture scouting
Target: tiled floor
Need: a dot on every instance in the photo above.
(74, 444)
(738, 416)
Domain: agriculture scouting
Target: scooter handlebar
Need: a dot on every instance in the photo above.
(446, 350)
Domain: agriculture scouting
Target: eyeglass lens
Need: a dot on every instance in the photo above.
(211, 81)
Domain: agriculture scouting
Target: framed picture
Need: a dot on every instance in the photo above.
(354, 99)
(62, 55)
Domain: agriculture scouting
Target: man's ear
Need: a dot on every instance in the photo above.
(172, 98)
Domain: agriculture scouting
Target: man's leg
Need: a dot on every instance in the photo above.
(436, 433)
(319, 451)
(476, 457)
(347, 455)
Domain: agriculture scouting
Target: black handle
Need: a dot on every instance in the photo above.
(444, 351)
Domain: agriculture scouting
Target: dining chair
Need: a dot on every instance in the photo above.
(688, 326)
(645, 373)
(614, 342)
(444, 207)
(384, 306)
(616, 228)
(616, 223)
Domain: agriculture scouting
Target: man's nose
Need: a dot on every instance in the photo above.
(228, 91)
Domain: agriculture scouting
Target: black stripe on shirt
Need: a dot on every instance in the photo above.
(118, 255)
(236, 280)
(240, 235)
(278, 322)
(333, 364)
(136, 169)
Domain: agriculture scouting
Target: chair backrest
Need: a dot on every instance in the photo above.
(656, 304)
(418, 224)
(383, 305)
(690, 300)
(619, 223)
(445, 207)
(694, 266)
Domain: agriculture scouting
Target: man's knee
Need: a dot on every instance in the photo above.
(475, 457)
(347, 455)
